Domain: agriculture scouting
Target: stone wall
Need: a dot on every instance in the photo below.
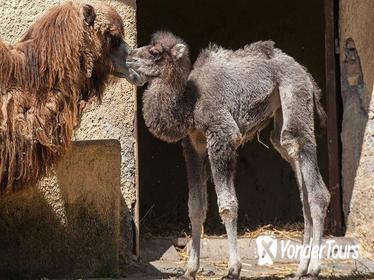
(114, 118)
(356, 22)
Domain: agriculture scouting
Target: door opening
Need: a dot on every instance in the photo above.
(265, 184)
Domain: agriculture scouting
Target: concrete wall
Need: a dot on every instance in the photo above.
(69, 225)
(114, 119)
(356, 22)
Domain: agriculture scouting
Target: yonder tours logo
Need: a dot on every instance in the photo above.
(268, 248)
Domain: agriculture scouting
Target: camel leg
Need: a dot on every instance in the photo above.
(316, 198)
(275, 140)
(222, 156)
(197, 202)
(319, 198)
(298, 139)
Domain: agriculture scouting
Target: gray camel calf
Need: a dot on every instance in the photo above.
(220, 104)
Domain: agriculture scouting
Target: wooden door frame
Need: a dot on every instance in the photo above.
(335, 219)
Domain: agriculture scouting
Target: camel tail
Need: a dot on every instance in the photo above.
(318, 106)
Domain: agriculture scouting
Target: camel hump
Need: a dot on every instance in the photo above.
(264, 47)
(260, 49)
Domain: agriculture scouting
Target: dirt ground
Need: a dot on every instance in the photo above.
(348, 270)
(166, 258)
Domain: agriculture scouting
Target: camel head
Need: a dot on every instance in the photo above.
(165, 57)
(77, 42)
(107, 36)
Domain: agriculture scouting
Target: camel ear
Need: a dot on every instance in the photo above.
(89, 14)
(179, 50)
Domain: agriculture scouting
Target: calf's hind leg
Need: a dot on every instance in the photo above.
(298, 139)
(275, 140)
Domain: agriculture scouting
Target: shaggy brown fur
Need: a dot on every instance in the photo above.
(61, 62)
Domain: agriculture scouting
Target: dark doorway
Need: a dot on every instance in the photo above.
(265, 184)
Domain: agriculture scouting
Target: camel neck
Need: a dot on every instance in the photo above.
(168, 108)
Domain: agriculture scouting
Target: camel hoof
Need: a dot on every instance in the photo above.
(310, 277)
(185, 277)
(227, 277)
(302, 277)
(234, 273)
(292, 278)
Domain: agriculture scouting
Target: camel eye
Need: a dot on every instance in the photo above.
(156, 54)
(115, 41)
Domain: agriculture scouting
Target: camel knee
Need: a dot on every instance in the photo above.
(197, 216)
(196, 212)
(228, 213)
(326, 196)
(291, 143)
(275, 141)
(319, 202)
(228, 207)
(324, 199)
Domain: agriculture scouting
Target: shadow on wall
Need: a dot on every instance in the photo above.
(265, 183)
(34, 243)
(355, 118)
(358, 126)
(69, 227)
(357, 131)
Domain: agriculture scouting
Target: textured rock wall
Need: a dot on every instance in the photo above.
(356, 22)
(114, 119)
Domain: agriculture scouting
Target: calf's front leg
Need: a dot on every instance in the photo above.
(222, 157)
(197, 202)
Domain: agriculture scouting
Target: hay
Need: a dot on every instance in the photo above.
(182, 253)
(292, 232)
(289, 231)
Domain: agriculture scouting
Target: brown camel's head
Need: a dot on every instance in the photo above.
(77, 43)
